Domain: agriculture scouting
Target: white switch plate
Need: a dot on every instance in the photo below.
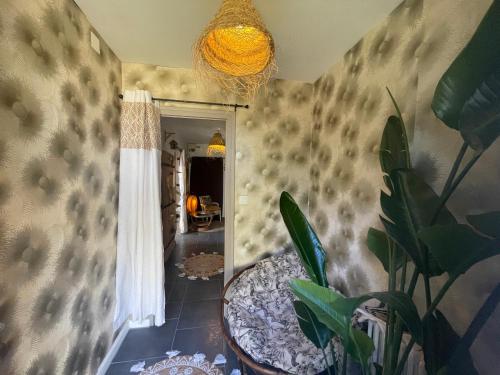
(243, 200)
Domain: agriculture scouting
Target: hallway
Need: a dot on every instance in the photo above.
(192, 308)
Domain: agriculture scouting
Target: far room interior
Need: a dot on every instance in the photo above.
(197, 183)
(240, 187)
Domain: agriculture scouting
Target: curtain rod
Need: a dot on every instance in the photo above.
(235, 106)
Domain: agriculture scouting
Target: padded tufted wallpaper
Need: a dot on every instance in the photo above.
(272, 149)
(408, 53)
(325, 150)
(59, 125)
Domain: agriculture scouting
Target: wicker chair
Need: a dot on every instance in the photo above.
(210, 207)
(244, 360)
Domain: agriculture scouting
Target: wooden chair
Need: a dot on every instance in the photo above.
(207, 206)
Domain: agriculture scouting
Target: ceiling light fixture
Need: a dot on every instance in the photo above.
(236, 50)
(217, 145)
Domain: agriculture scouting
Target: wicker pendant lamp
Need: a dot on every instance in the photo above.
(236, 50)
(217, 145)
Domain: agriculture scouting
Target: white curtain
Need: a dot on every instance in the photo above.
(140, 272)
(181, 175)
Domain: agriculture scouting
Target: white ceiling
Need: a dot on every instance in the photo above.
(191, 130)
(310, 35)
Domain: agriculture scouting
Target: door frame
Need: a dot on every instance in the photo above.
(229, 181)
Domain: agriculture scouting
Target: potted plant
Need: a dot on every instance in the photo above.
(421, 236)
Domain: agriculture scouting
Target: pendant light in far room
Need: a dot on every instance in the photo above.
(217, 145)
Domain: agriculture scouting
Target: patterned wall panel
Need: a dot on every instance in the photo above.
(436, 147)
(59, 118)
(273, 141)
(350, 108)
(408, 53)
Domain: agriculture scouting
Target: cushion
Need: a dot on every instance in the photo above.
(262, 320)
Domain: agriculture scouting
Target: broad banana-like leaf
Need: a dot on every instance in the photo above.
(394, 151)
(463, 90)
(398, 301)
(480, 119)
(320, 300)
(410, 208)
(306, 241)
(457, 247)
(378, 244)
(487, 223)
(319, 334)
(440, 340)
(362, 345)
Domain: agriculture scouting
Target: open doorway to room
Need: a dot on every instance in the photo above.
(199, 248)
(193, 193)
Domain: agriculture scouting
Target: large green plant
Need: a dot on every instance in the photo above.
(421, 235)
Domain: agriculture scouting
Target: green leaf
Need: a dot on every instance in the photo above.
(398, 301)
(467, 89)
(320, 300)
(409, 208)
(457, 247)
(480, 118)
(394, 152)
(362, 346)
(313, 329)
(487, 223)
(440, 341)
(378, 244)
(306, 241)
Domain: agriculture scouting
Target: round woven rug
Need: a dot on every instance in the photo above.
(204, 265)
(182, 365)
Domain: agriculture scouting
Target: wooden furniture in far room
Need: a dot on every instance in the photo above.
(168, 205)
(207, 206)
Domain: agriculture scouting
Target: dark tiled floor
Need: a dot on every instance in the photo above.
(191, 311)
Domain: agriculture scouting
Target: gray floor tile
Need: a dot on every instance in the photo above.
(177, 293)
(122, 368)
(198, 290)
(199, 313)
(207, 340)
(173, 310)
(147, 342)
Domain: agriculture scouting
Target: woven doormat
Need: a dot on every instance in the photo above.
(202, 266)
(181, 365)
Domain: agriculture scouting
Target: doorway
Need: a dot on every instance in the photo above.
(210, 180)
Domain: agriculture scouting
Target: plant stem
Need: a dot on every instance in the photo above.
(404, 357)
(429, 311)
(446, 195)
(427, 286)
(477, 324)
(389, 334)
(454, 169)
(399, 328)
(344, 362)
(398, 331)
(413, 283)
(403, 274)
(326, 361)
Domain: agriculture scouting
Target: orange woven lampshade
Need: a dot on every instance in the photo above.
(217, 145)
(236, 50)
(192, 204)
